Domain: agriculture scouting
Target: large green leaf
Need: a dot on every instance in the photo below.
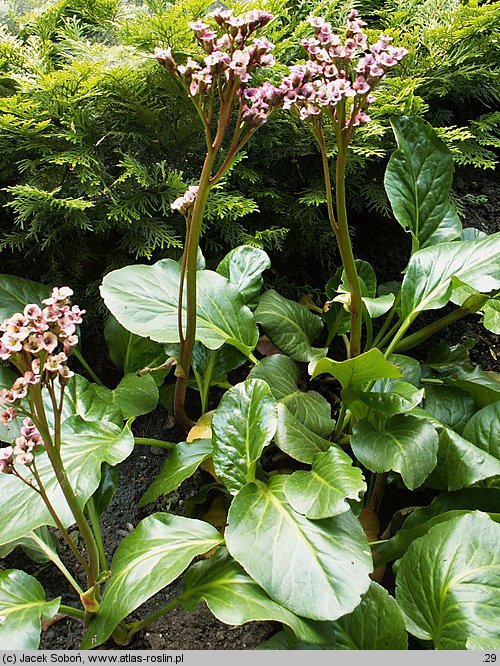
(152, 556)
(318, 569)
(399, 398)
(323, 492)
(483, 429)
(131, 352)
(144, 300)
(491, 316)
(22, 607)
(376, 624)
(16, 292)
(452, 406)
(482, 386)
(310, 408)
(289, 325)
(356, 372)
(89, 401)
(242, 425)
(461, 463)
(235, 598)
(134, 395)
(181, 463)
(406, 444)
(295, 439)
(445, 506)
(418, 180)
(448, 582)
(243, 267)
(40, 545)
(85, 446)
(432, 272)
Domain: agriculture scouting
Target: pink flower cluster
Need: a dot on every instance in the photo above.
(186, 202)
(29, 341)
(22, 451)
(339, 69)
(230, 58)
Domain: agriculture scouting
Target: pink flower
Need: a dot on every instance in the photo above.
(8, 415)
(185, 203)
(6, 460)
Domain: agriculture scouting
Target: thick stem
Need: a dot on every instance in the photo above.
(58, 467)
(87, 367)
(53, 557)
(64, 533)
(69, 610)
(149, 441)
(134, 627)
(320, 138)
(345, 249)
(388, 320)
(191, 251)
(96, 528)
(470, 306)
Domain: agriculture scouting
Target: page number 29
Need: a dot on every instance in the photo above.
(489, 658)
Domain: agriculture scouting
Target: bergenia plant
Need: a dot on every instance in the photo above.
(219, 83)
(336, 86)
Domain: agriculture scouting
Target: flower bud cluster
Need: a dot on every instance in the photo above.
(186, 202)
(30, 341)
(339, 69)
(231, 58)
(22, 451)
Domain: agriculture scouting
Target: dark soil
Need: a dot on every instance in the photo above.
(199, 629)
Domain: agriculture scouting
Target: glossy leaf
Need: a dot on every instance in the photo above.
(295, 439)
(432, 272)
(36, 545)
(182, 462)
(379, 305)
(491, 315)
(152, 556)
(356, 372)
(108, 485)
(131, 352)
(445, 506)
(235, 598)
(318, 569)
(16, 292)
(461, 463)
(323, 492)
(242, 425)
(135, 395)
(410, 370)
(483, 644)
(23, 606)
(144, 300)
(243, 267)
(88, 401)
(448, 582)
(483, 387)
(376, 624)
(451, 406)
(406, 444)
(418, 180)
(394, 548)
(85, 446)
(483, 429)
(401, 397)
(309, 407)
(289, 325)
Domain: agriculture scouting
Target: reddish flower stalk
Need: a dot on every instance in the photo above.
(218, 86)
(337, 83)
